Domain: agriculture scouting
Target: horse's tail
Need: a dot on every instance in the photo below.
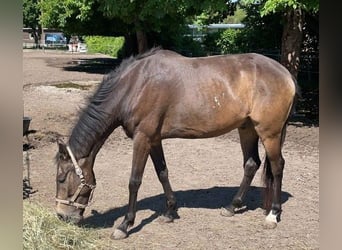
(297, 96)
(267, 172)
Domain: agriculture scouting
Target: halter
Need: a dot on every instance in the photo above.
(78, 170)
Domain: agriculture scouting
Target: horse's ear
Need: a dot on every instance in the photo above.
(62, 147)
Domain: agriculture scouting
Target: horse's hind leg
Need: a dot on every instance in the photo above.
(158, 159)
(251, 162)
(274, 166)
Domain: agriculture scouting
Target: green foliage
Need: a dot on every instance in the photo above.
(150, 16)
(31, 13)
(213, 13)
(260, 33)
(229, 41)
(237, 17)
(210, 42)
(273, 6)
(56, 13)
(105, 45)
(146, 15)
(189, 47)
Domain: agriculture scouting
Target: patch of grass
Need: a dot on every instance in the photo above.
(71, 85)
(43, 230)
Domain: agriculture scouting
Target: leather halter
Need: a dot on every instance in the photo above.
(78, 170)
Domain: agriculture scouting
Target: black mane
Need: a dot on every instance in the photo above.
(94, 121)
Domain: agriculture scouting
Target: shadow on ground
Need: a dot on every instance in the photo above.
(211, 198)
(93, 65)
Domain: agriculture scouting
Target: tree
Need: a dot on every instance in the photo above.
(148, 17)
(144, 21)
(144, 16)
(292, 36)
(31, 13)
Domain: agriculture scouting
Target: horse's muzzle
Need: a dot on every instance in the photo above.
(75, 219)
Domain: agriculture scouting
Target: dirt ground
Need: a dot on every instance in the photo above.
(204, 173)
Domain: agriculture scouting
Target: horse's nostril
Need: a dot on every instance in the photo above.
(61, 217)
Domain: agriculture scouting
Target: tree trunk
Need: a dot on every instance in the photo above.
(292, 40)
(142, 41)
(36, 38)
(36, 33)
(130, 47)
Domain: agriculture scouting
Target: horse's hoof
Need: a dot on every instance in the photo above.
(271, 220)
(269, 225)
(118, 234)
(227, 212)
(165, 219)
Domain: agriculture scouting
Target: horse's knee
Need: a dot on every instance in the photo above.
(163, 176)
(134, 184)
(251, 166)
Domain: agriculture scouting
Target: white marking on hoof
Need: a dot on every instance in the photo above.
(118, 234)
(270, 221)
(227, 213)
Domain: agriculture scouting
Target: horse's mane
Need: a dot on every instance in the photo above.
(110, 80)
(94, 121)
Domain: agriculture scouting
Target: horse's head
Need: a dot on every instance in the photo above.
(75, 183)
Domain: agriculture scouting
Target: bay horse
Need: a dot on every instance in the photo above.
(161, 94)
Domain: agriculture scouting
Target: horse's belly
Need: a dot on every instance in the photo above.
(202, 124)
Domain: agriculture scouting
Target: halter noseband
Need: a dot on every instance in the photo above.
(78, 170)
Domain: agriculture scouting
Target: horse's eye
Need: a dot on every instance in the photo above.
(63, 157)
(61, 177)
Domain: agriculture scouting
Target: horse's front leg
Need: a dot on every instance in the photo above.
(141, 150)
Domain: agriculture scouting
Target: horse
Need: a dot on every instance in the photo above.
(161, 94)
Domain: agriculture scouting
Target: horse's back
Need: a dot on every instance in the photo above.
(209, 96)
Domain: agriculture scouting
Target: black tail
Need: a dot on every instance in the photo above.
(298, 96)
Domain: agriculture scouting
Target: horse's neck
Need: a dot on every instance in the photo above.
(98, 120)
(84, 145)
(80, 150)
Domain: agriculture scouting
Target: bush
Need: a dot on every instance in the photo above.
(105, 45)
(229, 41)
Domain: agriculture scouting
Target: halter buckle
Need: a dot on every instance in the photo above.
(78, 171)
